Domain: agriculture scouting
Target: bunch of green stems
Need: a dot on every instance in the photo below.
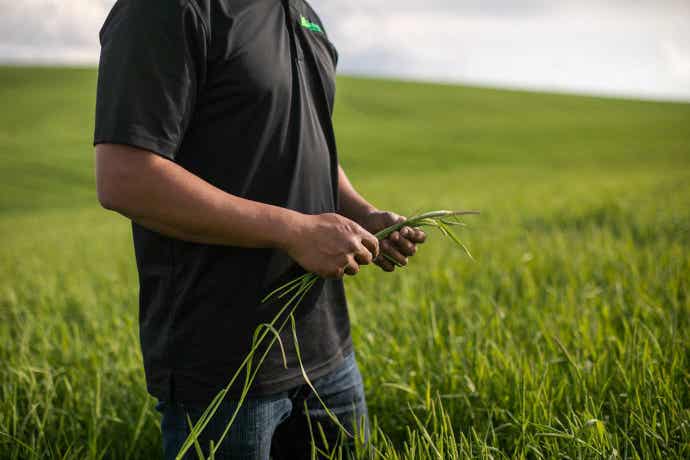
(294, 292)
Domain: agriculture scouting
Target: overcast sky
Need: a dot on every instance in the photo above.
(638, 48)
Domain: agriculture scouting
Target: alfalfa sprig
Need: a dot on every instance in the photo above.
(295, 291)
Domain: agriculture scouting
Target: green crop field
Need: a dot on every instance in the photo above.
(567, 337)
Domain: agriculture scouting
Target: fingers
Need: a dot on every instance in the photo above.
(414, 235)
(362, 255)
(407, 240)
(386, 219)
(385, 264)
(352, 267)
(351, 270)
(396, 219)
(364, 249)
(391, 250)
(338, 274)
(402, 244)
(371, 243)
(347, 265)
(387, 254)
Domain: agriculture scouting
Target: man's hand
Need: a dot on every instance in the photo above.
(331, 245)
(399, 245)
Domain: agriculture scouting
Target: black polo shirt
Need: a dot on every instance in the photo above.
(240, 93)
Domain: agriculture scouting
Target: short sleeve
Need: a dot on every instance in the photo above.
(152, 64)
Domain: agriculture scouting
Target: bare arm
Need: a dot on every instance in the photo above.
(399, 246)
(163, 196)
(167, 198)
(352, 204)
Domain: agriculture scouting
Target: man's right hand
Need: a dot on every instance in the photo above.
(331, 245)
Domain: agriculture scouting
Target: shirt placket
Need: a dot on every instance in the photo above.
(292, 20)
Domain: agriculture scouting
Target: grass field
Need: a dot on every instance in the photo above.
(567, 338)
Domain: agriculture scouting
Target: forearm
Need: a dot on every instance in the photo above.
(166, 198)
(398, 246)
(352, 204)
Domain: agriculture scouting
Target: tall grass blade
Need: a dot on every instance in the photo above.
(297, 289)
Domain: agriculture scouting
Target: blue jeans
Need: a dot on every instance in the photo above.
(278, 426)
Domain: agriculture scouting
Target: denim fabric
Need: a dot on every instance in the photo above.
(276, 426)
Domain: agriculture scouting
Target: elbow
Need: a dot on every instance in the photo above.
(114, 189)
(112, 179)
(108, 195)
(107, 201)
(122, 175)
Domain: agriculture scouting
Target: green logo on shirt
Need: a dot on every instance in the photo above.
(307, 24)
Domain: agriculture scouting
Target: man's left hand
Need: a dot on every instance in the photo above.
(399, 246)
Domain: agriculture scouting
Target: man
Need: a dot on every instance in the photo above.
(213, 135)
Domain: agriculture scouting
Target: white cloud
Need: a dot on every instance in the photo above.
(51, 31)
(614, 49)
(678, 58)
(630, 47)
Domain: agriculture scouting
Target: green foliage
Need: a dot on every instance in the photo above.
(566, 338)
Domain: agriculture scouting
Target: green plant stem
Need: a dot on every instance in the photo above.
(298, 288)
